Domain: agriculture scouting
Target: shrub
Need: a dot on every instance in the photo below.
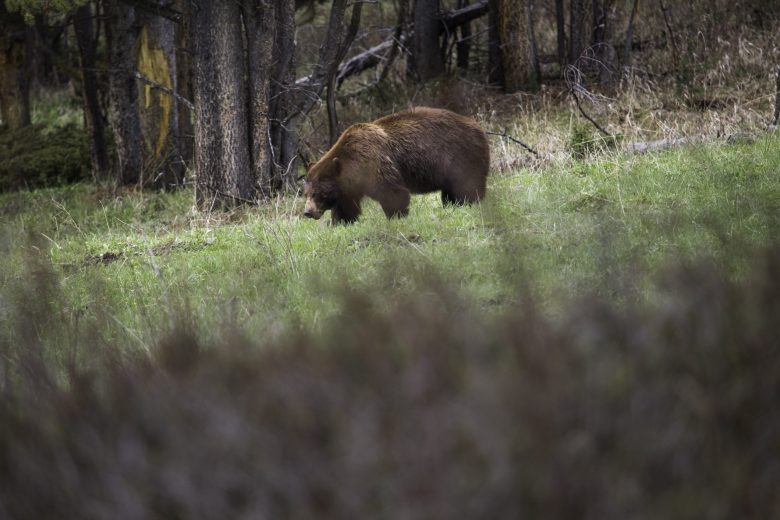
(34, 157)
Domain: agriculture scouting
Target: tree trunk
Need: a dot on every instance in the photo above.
(464, 43)
(14, 70)
(495, 69)
(159, 109)
(259, 21)
(93, 118)
(223, 176)
(184, 81)
(560, 26)
(121, 33)
(515, 48)
(426, 60)
(629, 37)
(603, 52)
(283, 140)
(576, 25)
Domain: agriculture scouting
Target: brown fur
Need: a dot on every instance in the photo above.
(419, 151)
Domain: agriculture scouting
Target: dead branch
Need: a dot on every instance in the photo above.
(574, 81)
(165, 89)
(505, 135)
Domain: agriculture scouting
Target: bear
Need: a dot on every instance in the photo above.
(418, 151)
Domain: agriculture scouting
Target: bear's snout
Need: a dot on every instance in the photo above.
(311, 211)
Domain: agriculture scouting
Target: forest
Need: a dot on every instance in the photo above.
(595, 337)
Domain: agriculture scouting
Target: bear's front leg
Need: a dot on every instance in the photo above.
(345, 213)
(395, 201)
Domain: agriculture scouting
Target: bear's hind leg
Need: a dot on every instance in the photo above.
(464, 194)
(395, 201)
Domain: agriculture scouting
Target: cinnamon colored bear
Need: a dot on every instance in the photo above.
(420, 151)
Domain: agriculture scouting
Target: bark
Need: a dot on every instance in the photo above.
(603, 52)
(629, 37)
(281, 106)
(576, 24)
(560, 26)
(776, 115)
(223, 177)
(495, 68)
(533, 51)
(184, 81)
(426, 60)
(93, 117)
(515, 46)
(259, 22)
(464, 42)
(121, 33)
(159, 108)
(14, 70)
(349, 37)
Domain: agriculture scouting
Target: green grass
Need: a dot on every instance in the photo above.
(606, 226)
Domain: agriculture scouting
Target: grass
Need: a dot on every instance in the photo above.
(604, 226)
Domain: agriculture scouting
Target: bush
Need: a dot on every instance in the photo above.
(35, 157)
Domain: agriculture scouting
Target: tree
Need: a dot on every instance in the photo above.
(495, 69)
(121, 37)
(464, 42)
(426, 60)
(223, 177)
(14, 69)
(84, 28)
(515, 45)
(159, 108)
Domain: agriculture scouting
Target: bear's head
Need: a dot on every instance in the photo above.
(321, 187)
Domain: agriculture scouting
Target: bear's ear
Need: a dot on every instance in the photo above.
(336, 166)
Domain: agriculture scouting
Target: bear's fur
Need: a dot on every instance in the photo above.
(419, 151)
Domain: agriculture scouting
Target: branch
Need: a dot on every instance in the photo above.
(574, 81)
(165, 89)
(505, 135)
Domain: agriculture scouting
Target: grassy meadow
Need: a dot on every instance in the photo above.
(604, 226)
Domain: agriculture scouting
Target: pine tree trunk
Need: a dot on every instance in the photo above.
(259, 20)
(223, 177)
(464, 43)
(159, 110)
(426, 61)
(93, 118)
(184, 81)
(560, 27)
(515, 46)
(576, 30)
(121, 32)
(14, 70)
(284, 147)
(495, 69)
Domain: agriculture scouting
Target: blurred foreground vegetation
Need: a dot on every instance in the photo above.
(598, 339)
